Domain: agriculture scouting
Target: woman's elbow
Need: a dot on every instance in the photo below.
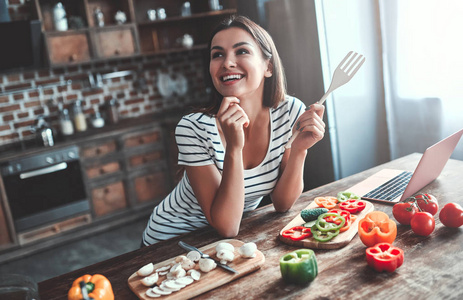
(228, 231)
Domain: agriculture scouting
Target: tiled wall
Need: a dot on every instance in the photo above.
(21, 99)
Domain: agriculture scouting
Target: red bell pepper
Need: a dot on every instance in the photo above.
(353, 206)
(384, 257)
(341, 212)
(297, 233)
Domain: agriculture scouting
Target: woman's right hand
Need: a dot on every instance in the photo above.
(232, 119)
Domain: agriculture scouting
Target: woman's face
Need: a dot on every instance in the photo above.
(237, 65)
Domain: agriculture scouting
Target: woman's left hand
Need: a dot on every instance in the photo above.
(311, 127)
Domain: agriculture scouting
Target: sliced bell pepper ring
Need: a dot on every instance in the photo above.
(297, 233)
(353, 206)
(326, 202)
(348, 224)
(384, 257)
(341, 212)
(323, 225)
(323, 236)
(376, 228)
(343, 196)
(299, 267)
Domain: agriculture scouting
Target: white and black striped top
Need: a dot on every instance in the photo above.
(199, 144)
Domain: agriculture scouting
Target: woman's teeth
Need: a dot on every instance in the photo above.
(231, 77)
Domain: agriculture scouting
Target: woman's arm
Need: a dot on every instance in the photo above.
(221, 196)
(290, 184)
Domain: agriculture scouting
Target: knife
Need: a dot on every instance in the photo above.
(204, 255)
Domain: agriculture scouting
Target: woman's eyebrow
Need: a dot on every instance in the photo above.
(234, 46)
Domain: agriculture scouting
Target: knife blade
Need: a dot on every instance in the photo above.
(204, 255)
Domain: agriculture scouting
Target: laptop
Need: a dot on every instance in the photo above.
(392, 186)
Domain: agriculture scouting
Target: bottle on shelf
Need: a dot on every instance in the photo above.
(79, 117)
(65, 123)
(97, 119)
(59, 17)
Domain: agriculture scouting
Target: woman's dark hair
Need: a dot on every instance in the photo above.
(274, 86)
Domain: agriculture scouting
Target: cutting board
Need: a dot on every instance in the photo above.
(208, 281)
(339, 241)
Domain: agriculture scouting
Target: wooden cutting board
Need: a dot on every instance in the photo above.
(339, 241)
(208, 281)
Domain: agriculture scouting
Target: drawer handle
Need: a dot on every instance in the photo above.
(144, 159)
(117, 52)
(98, 151)
(107, 190)
(72, 57)
(102, 171)
(141, 140)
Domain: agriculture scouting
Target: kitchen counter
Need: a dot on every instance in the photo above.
(431, 269)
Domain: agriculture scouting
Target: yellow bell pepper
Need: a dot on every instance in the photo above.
(98, 288)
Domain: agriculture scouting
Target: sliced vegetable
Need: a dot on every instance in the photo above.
(348, 224)
(312, 213)
(344, 196)
(353, 206)
(451, 215)
(341, 212)
(323, 236)
(323, 225)
(299, 267)
(384, 257)
(297, 233)
(326, 202)
(376, 228)
(97, 287)
(309, 224)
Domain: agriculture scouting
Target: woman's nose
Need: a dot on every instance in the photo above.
(229, 61)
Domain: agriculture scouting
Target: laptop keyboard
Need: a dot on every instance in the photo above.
(392, 189)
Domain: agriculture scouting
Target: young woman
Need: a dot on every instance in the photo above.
(234, 151)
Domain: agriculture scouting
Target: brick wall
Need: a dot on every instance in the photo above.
(137, 94)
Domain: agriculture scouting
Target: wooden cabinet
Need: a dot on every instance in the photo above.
(94, 33)
(109, 198)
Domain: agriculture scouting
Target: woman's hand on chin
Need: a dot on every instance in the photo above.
(232, 119)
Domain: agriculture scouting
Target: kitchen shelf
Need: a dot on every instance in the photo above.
(196, 16)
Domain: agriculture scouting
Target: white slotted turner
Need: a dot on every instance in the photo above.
(343, 73)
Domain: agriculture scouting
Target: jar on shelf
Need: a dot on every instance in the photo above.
(59, 17)
(111, 110)
(79, 117)
(99, 17)
(97, 119)
(65, 123)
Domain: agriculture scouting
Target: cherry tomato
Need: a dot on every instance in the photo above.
(451, 215)
(427, 202)
(404, 211)
(423, 223)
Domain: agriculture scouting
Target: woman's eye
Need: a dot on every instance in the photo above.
(242, 51)
(216, 54)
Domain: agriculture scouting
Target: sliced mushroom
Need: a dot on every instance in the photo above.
(194, 256)
(248, 250)
(207, 265)
(185, 280)
(194, 274)
(225, 256)
(158, 290)
(146, 270)
(185, 262)
(163, 269)
(224, 245)
(151, 294)
(150, 280)
(172, 284)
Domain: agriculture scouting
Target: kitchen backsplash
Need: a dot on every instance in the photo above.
(137, 94)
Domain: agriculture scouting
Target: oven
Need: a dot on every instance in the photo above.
(44, 188)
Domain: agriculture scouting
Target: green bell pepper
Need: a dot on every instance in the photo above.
(344, 196)
(324, 225)
(299, 267)
(323, 236)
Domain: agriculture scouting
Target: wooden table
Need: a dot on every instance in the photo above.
(433, 266)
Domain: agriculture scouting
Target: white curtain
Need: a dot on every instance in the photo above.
(423, 72)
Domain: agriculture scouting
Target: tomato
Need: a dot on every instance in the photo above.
(423, 223)
(427, 202)
(451, 215)
(404, 211)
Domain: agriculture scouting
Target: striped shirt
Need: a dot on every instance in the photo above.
(199, 144)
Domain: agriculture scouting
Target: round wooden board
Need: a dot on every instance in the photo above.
(341, 240)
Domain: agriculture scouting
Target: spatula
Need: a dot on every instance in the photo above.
(343, 73)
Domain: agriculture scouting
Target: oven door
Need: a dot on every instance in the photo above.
(46, 195)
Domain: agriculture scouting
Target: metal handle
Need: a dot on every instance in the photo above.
(44, 171)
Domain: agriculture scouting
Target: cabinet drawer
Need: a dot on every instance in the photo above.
(145, 158)
(68, 48)
(109, 198)
(142, 139)
(99, 150)
(101, 170)
(114, 42)
(150, 187)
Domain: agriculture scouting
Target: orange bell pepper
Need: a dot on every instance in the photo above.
(98, 287)
(376, 228)
(326, 202)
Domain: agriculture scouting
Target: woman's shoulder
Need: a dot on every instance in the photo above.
(290, 104)
(197, 121)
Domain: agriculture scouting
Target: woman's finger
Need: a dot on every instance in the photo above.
(226, 103)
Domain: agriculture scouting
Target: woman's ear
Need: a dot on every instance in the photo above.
(269, 72)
